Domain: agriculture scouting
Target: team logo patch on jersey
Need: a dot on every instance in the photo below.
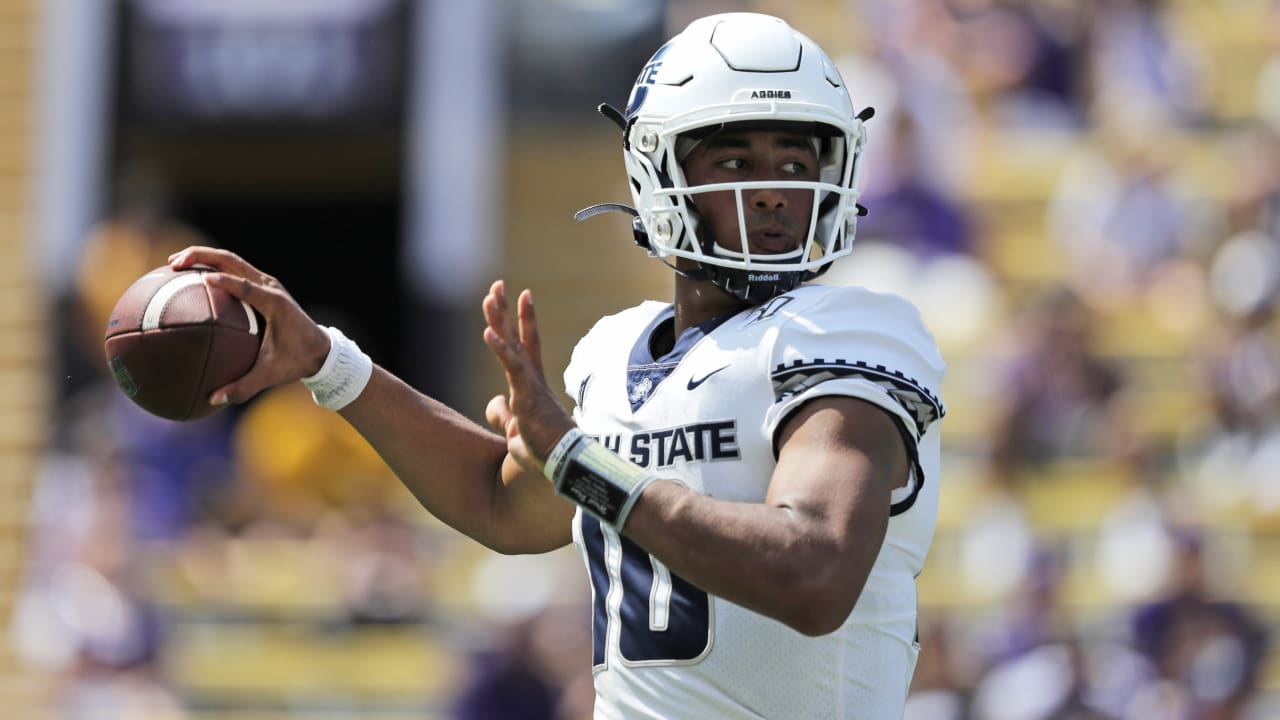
(769, 309)
(801, 375)
(695, 382)
(641, 390)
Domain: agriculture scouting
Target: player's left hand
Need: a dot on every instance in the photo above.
(531, 417)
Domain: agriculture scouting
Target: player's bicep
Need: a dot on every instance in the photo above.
(839, 457)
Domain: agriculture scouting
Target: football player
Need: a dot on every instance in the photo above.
(751, 471)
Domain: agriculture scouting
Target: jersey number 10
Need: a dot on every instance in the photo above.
(652, 615)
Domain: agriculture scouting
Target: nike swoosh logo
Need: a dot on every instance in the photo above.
(693, 383)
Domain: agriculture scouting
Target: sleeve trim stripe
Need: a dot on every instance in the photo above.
(921, 405)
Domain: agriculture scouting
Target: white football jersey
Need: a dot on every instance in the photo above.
(707, 414)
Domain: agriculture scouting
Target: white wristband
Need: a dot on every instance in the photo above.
(344, 374)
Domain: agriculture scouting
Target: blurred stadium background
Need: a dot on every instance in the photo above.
(1082, 196)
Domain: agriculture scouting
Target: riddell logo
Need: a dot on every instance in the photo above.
(764, 278)
(771, 94)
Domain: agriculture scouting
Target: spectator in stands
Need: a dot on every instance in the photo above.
(532, 668)
(506, 681)
(1034, 616)
(907, 68)
(1211, 650)
(1034, 665)
(1141, 55)
(913, 210)
(1243, 368)
(1022, 61)
(1118, 212)
(942, 684)
(1059, 396)
(1233, 457)
(82, 614)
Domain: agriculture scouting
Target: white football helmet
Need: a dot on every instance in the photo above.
(739, 68)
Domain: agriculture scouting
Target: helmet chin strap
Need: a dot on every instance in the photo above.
(734, 282)
(698, 274)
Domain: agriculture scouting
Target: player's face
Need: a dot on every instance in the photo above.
(777, 220)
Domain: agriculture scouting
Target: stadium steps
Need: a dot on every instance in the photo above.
(260, 630)
(263, 633)
(270, 665)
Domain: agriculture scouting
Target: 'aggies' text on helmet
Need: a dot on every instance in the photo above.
(741, 68)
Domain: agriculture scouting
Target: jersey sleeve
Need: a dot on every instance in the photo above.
(856, 343)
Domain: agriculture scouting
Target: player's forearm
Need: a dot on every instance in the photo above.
(779, 561)
(453, 466)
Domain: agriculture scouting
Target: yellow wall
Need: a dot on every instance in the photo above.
(23, 347)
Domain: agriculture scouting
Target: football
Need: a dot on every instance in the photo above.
(172, 340)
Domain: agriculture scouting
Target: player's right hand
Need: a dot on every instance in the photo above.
(529, 415)
(293, 345)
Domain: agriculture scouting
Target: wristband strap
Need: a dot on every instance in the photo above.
(558, 453)
(344, 374)
(592, 476)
